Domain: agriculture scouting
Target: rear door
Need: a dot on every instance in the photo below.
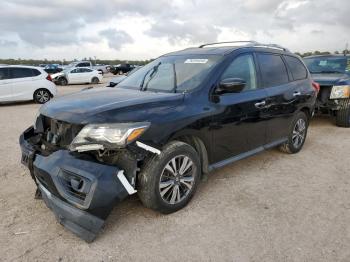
(240, 127)
(86, 75)
(23, 83)
(6, 92)
(283, 95)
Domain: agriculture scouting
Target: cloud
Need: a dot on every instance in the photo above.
(116, 38)
(190, 32)
(66, 26)
(7, 43)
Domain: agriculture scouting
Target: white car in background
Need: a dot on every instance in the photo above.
(78, 75)
(21, 83)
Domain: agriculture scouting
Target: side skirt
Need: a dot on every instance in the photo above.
(246, 154)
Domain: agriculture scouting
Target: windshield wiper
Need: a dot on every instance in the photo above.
(153, 70)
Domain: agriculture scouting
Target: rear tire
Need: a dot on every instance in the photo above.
(297, 134)
(343, 114)
(95, 80)
(168, 181)
(41, 96)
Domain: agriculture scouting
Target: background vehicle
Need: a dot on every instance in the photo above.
(184, 114)
(116, 80)
(77, 75)
(53, 68)
(121, 69)
(20, 83)
(332, 73)
(101, 68)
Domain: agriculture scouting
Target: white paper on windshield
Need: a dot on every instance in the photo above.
(323, 63)
(196, 61)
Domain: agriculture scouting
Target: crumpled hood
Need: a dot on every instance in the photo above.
(108, 105)
(331, 79)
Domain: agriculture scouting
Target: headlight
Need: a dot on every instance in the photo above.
(340, 92)
(100, 136)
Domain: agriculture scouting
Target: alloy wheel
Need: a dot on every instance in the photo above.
(42, 96)
(177, 179)
(299, 133)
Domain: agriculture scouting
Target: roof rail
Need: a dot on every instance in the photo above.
(273, 46)
(248, 44)
(230, 42)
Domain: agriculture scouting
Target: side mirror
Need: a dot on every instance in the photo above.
(230, 85)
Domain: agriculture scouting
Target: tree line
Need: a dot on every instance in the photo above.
(36, 62)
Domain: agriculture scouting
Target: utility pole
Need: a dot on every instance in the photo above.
(346, 49)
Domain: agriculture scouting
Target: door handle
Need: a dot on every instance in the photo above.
(297, 93)
(260, 104)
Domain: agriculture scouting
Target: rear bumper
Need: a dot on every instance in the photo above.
(80, 192)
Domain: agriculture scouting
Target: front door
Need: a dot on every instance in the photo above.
(240, 127)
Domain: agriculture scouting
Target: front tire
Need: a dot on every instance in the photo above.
(63, 81)
(297, 134)
(95, 81)
(343, 114)
(41, 96)
(168, 181)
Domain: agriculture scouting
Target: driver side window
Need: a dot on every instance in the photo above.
(242, 67)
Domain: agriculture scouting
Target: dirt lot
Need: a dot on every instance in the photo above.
(271, 207)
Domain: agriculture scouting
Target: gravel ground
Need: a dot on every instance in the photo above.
(271, 207)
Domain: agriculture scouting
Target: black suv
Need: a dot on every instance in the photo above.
(184, 114)
(332, 73)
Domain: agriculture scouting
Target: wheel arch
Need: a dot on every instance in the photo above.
(307, 111)
(198, 144)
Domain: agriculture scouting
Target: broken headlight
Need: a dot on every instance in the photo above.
(101, 136)
(340, 92)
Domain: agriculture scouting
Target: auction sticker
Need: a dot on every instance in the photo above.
(196, 61)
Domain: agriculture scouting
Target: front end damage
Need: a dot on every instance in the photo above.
(80, 188)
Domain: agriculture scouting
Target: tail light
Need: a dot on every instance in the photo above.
(316, 86)
(49, 78)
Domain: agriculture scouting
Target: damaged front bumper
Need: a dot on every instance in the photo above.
(81, 192)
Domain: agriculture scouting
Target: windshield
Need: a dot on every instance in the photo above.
(172, 73)
(328, 64)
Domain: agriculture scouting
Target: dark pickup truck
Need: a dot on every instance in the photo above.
(332, 73)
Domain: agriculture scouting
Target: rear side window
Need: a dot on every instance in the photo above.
(4, 73)
(296, 67)
(20, 72)
(273, 70)
(83, 65)
(36, 72)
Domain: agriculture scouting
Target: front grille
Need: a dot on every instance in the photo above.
(56, 132)
(324, 94)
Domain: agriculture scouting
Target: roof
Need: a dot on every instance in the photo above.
(223, 48)
(23, 66)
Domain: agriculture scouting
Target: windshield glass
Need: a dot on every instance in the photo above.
(328, 64)
(172, 73)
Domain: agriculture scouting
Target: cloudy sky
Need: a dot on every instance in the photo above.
(139, 29)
